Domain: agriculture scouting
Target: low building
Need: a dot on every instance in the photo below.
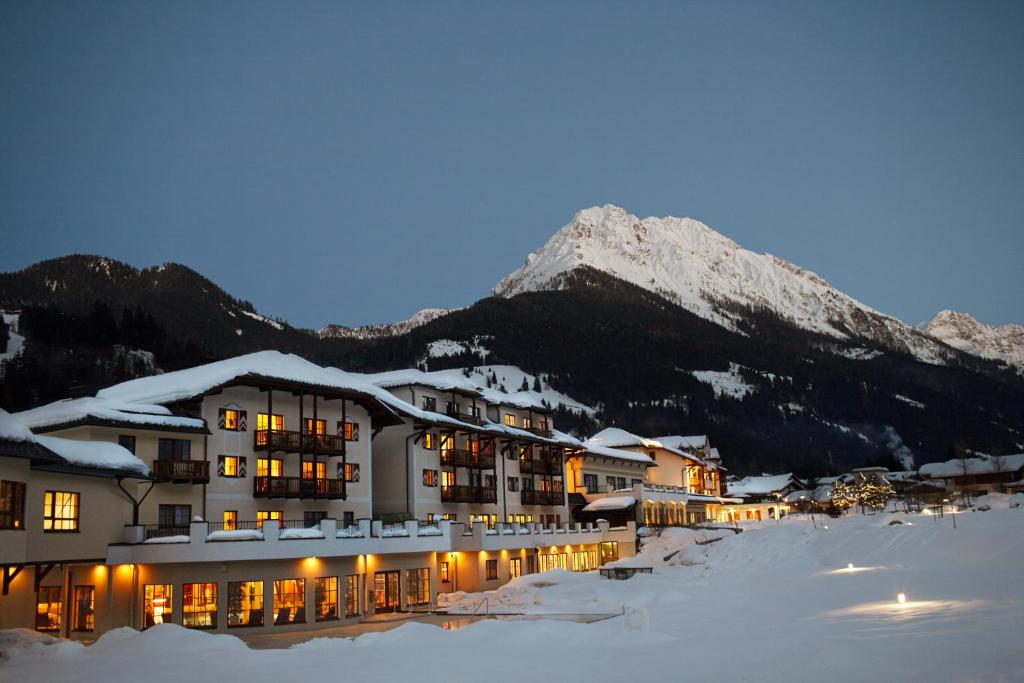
(977, 475)
(761, 497)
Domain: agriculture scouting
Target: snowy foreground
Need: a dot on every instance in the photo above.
(777, 602)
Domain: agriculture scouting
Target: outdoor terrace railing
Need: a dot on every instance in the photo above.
(541, 465)
(182, 471)
(295, 442)
(160, 531)
(468, 418)
(460, 493)
(542, 497)
(297, 487)
(460, 457)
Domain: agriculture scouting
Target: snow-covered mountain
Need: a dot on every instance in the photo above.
(384, 329)
(700, 269)
(959, 330)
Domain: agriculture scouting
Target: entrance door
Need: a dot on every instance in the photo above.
(385, 592)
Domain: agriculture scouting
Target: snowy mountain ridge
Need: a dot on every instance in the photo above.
(700, 269)
(961, 331)
(419, 318)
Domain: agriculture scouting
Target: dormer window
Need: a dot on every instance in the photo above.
(510, 420)
(527, 423)
(430, 403)
(452, 407)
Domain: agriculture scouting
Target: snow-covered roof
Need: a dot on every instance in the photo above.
(763, 485)
(983, 464)
(94, 454)
(684, 442)
(181, 385)
(613, 437)
(13, 429)
(618, 453)
(442, 380)
(610, 503)
(76, 410)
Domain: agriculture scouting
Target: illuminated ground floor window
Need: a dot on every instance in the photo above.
(83, 609)
(584, 560)
(325, 597)
(48, 608)
(609, 551)
(515, 567)
(351, 595)
(157, 604)
(417, 586)
(289, 601)
(199, 605)
(549, 561)
(245, 603)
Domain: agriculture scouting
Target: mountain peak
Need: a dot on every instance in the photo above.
(704, 271)
(962, 331)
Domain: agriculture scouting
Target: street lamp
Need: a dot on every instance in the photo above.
(952, 510)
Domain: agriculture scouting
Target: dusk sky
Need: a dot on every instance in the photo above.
(355, 162)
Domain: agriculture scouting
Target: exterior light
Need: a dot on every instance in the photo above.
(901, 598)
(850, 566)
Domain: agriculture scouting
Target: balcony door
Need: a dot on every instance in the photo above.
(386, 596)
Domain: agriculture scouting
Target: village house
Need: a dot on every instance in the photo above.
(241, 494)
(977, 475)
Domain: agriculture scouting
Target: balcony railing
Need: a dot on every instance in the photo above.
(182, 471)
(297, 487)
(296, 442)
(460, 493)
(468, 418)
(542, 498)
(552, 465)
(458, 457)
(162, 531)
(540, 431)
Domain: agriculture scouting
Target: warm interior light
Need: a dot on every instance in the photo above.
(901, 598)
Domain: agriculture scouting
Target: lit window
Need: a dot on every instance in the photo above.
(428, 441)
(314, 470)
(230, 419)
(12, 505)
(430, 517)
(157, 604)
(230, 520)
(228, 466)
(527, 423)
(351, 595)
(269, 467)
(263, 423)
(515, 567)
(417, 586)
(289, 601)
(351, 471)
(325, 596)
(199, 605)
(245, 603)
(264, 515)
(60, 511)
(510, 420)
(48, 604)
(430, 477)
(449, 516)
(444, 572)
(319, 427)
(351, 431)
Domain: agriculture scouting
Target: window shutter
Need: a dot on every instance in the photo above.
(355, 473)
(242, 420)
(220, 418)
(241, 462)
(355, 431)
(220, 458)
(341, 470)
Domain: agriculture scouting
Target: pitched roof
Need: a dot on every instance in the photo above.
(617, 453)
(763, 485)
(16, 440)
(983, 464)
(94, 410)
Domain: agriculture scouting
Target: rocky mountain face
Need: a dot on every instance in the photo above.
(961, 331)
(708, 274)
(418, 319)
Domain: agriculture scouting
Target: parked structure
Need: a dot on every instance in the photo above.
(241, 494)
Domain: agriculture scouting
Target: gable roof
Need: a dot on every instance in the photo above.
(107, 412)
(614, 437)
(16, 440)
(764, 485)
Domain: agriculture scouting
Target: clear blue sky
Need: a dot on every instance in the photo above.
(354, 162)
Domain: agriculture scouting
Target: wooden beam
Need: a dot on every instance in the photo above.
(10, 572)
(41, 572)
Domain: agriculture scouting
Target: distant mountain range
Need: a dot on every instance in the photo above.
(661, 325)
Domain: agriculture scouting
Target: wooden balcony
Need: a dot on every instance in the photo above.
(540, 431)
(297, 487)
(182, 471)
(542, 498)
(468, 418)
(468, 494)
(297, 442)
(551, 465)
(460, 457)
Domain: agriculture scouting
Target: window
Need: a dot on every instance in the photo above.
(490, 481)
(199, 605)
(543, 424)
(515, 567)
(492, 570)
(229, 420)
(474, 410)
(157, 604)
(430, 477)
(430, 403)
(490, 520)
(590, 482)
(174, 449)
(319, 427)
(510, 420)
(531, 564)
(526, 423)
(609, 551)
(348, 519)
(449, 516)
(611, 482)
(311, 518)
(174, 516)
(48, 608)
(352, 471)
(60, 511)
(126, 441)
(314, 469)
(12, 505)
(513, 483)
(525, 454)
(230, 466)
(634, 482)
(417, 586)
(264, 515)
(447, 443)
(289, 601)
(447, 479)
(451, 407)
(430, 517)
(444, 573)
(325, 598)
(245, 603)
(351, 431)
(272, 467)
(527, 483)
(351, 595)
(230, 520)
(429, 442)
(262, 423)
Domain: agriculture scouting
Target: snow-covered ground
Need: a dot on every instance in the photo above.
(776, 602)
